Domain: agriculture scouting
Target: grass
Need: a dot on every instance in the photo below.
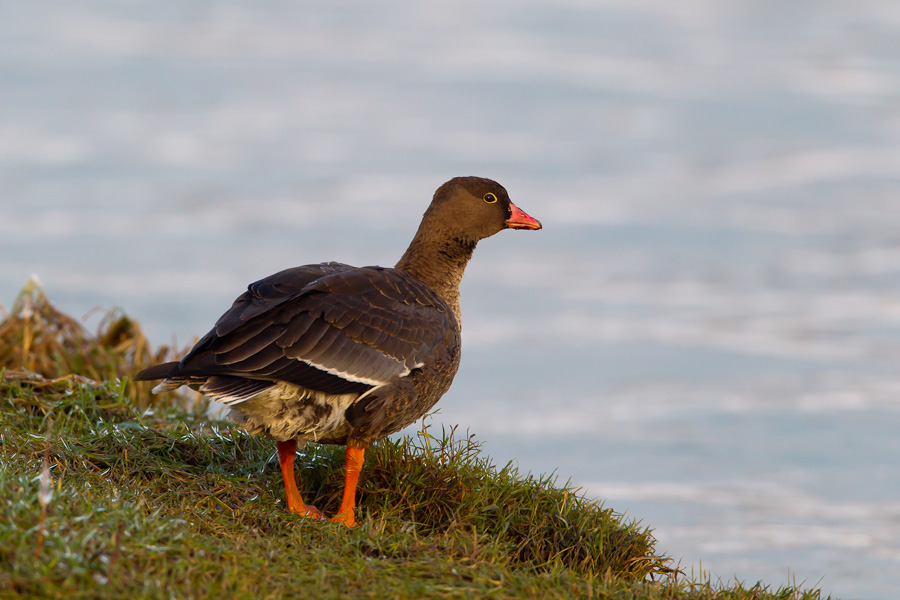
(38, 339)
(107, 494)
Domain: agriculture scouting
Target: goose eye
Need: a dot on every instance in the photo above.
(490, 198)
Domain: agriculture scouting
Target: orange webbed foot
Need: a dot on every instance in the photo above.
(307, 510)
(347, 518)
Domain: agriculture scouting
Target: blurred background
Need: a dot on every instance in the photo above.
(705, 333)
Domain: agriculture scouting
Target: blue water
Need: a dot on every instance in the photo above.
(705, 333)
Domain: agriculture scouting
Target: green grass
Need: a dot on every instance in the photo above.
(168, 504)
(107, 492)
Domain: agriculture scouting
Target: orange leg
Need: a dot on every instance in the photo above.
(286, 452)
(354, 461)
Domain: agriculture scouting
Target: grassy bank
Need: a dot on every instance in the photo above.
(105, 492)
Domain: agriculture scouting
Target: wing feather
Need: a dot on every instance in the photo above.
(250, 346)
(255, 362)
(328, 327)
(303, 335)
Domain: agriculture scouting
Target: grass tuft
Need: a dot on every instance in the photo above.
(39, 343)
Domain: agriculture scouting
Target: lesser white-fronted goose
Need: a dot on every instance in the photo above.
(336, 354)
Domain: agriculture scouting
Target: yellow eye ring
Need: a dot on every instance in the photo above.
(490, 198)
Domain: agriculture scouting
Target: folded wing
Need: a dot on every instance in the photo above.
(330, 327)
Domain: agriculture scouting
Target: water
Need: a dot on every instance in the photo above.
(705, 334)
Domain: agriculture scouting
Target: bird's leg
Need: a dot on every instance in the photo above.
(286, 452)
(354, 461)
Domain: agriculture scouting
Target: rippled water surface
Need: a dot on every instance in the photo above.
(705, 333)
